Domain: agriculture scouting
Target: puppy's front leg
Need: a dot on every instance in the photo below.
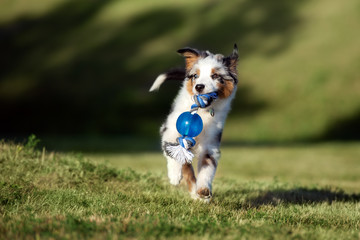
(174, 170)
(168, 138)
(189, 176)
(207, 165)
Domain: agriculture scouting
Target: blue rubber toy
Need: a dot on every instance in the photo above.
(189, 124)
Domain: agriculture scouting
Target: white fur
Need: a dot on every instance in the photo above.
(174, 171)
(158, 81)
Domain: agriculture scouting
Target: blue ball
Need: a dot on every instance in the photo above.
(189, 124)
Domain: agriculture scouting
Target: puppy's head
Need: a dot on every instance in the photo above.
(207, 72)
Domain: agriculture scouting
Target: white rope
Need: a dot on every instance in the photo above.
(180, 154)
(186, 145)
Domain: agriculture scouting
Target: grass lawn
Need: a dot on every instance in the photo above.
(260, 192)
(326, 164)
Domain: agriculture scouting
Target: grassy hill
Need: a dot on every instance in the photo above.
(47, 195)
(85, 68)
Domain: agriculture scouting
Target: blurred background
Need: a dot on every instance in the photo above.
(77, 73)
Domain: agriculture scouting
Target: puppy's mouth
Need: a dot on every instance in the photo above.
(207, 93)
(204, 100)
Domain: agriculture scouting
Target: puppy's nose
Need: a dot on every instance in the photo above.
(199, 87)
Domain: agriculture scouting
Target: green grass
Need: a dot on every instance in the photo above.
(323, 163)
(259, 193)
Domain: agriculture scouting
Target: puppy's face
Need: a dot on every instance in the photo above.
(207, 72)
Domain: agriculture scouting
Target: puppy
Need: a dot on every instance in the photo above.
(204, 72)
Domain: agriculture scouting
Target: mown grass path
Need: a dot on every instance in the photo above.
(51, 195)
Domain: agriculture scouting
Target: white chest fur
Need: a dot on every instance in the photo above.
(213, 125)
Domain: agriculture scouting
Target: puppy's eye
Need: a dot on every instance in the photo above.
(215, 76)
(193, 77)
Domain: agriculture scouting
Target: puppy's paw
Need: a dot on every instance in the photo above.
(204, 194)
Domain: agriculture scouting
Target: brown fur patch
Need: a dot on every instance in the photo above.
(190, 59)
(198, 72)
(189, 86)
(225, 89)
(190, 83)
(208, 160)
(189, 175)
(214, 71)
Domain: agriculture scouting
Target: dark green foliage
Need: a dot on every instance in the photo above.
(85, 68)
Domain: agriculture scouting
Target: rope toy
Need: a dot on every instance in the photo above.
(189, 125)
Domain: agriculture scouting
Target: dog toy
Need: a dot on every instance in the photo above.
(189, 125)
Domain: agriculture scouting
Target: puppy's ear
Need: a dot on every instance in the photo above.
(191, 56)
(231, 61)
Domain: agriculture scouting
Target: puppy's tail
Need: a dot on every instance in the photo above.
(174, 74)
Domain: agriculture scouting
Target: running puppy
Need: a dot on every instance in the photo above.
(205, 72)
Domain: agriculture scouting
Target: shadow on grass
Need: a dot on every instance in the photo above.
(301, 196)
(243, 198)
